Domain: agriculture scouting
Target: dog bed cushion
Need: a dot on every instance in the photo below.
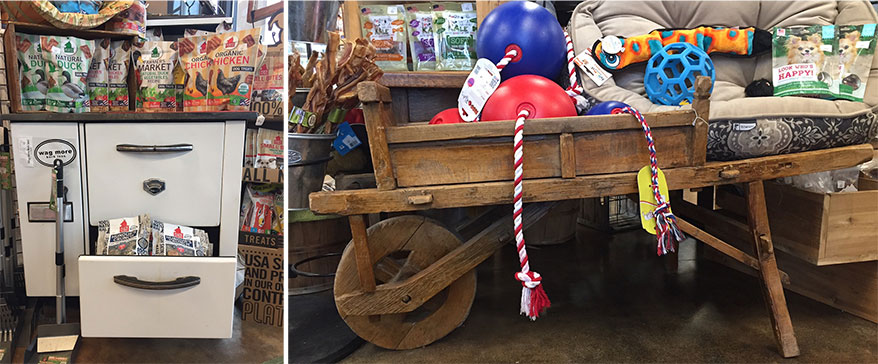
(740, 127)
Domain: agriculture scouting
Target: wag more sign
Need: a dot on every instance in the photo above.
(263, 294)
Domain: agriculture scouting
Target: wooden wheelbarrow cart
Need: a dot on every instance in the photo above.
(407, 281)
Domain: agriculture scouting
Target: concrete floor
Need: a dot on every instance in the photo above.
(250, 343)
(613, 302)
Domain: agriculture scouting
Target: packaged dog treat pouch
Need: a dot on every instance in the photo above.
(856, 47)
(270, 149)
(117, 75)
(154, 62)
(803, 61)
(179, 240)
(67, 64)
(124, 236)
(250, 148)
(33, 80)
(419, 22)
(259, 210)
(384, 27)
(233, 70)
(454, 34)
(98, 77)
(195, 58)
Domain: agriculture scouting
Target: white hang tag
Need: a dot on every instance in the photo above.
(590, 67)
(479, 85)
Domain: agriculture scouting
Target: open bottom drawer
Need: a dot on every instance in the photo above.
(135, 306)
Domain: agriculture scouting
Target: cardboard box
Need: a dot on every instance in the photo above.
(255, 239)
(262, 175)
(263, 293)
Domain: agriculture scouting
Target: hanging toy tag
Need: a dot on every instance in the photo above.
(647, 197)
(589, 66)
(480, 84)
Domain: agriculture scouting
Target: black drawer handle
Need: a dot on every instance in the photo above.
(178, 283)
(171, 148)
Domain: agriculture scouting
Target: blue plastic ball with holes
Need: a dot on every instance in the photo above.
(670, 74)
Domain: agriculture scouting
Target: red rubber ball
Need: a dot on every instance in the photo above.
(447, 116)
(536, 94)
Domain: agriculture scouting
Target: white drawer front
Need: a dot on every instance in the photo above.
(109, 309)
(193, 179)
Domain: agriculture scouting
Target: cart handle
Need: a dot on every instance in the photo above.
(172, 148)
(134, 282)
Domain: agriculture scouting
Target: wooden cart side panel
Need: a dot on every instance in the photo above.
(13, 82)
(626, 150)
(850, 225)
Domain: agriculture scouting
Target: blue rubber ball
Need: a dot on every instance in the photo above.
(607, 108)
(670, 74)
(529, 28)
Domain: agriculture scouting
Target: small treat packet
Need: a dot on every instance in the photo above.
(384, 27)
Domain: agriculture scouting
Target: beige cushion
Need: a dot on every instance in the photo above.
(594, 19)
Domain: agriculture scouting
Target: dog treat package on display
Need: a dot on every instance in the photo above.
(98, 77)
(124, 236)
(250, 148)
(195, 57)
(189, 32)
(384, 27)
(67, 61)
(803, 61)
(179, 240)
(419, 21)
(179, 84)
(32, 73)
(154, 64)
(155, 34)
(130, 21)
(277, 224)
(268, 85)
(270, 149)
(454, 34)
(117, 74)
(258, 209)
(856, 47)
(233, 69)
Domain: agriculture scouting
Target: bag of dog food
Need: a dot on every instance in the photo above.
(249, 148)
(117, 74)
(270, 149)
(179, 240)
(98, 77)
(856, 47)
(195, 58)
(257, 218)
(156, 91)
(124, 236)
(233, 70)
(32, 73)
(420, 31)
(454, 34)
(67, 62)
(803, 61)
(384, 26)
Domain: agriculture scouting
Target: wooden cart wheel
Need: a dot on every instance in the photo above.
(400, 247)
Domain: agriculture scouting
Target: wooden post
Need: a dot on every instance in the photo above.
(13, 81)
(701, 106)
(361, 251)
(757, 218)
(377, 112)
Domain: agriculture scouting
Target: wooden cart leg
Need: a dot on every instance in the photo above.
(361, 251)
(757, 218)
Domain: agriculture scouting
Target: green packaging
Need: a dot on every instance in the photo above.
(454, 36)
(67, 64)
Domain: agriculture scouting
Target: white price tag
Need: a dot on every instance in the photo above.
(590, 67)
(480, 84)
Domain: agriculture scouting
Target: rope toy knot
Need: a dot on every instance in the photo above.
(529, 280)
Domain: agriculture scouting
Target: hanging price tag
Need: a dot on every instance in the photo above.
(480, 84)
(647, 197)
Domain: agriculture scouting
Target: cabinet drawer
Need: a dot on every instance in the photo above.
(111, 309)
(191, 176)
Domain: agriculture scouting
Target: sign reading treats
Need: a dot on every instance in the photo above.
(50, 150)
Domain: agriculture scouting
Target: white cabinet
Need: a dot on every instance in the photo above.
(179, 168)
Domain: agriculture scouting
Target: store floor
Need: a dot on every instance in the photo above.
(613, 302)
(250, 343)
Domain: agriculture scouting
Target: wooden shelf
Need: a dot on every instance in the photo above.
(42, 29)
(434, 79)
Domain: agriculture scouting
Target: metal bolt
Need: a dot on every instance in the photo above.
(406, 299)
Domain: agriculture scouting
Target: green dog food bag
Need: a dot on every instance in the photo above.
(803, 61)
(454, 35)
(419, 22)
(157, 90)
(117, 75)
(384, 27)
(67, 64)
(98, 77)
(856, 47)
(32, 74)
